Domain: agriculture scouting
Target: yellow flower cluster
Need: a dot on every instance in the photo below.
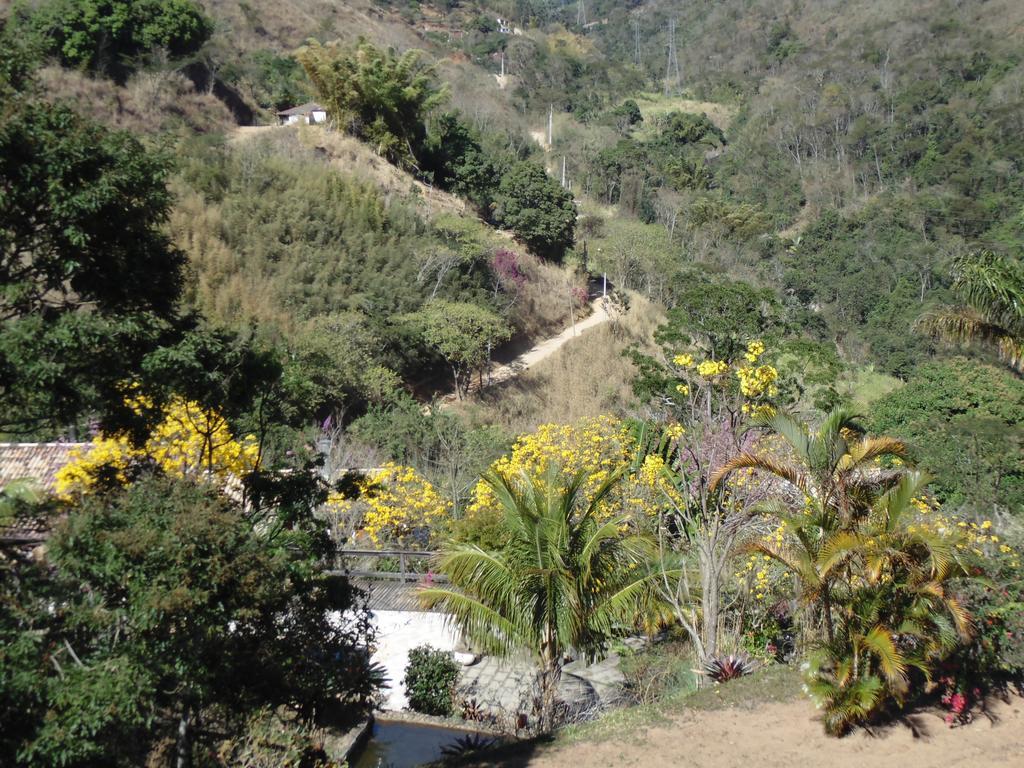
(757, 381)
(709, 369)
(754, 351)
(398, 503)
(674, 430)
(757, 575)
(598, 447)
(190, 440)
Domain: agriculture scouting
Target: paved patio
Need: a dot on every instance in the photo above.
(496, 684)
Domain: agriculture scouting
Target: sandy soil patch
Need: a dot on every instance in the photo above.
(786, 735)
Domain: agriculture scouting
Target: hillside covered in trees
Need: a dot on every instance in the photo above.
(794, 431)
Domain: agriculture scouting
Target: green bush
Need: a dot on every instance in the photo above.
(430, 679)
(107, 35)
(537, 209)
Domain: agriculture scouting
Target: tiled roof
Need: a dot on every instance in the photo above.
(33, 461)
(302, 109)
(37, 461)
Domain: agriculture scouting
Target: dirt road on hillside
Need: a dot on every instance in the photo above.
(601, 312)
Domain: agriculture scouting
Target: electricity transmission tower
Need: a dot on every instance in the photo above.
(672, 64)
(581, 13)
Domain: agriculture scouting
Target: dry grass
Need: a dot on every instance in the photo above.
(151, 101)
(255, 24)
(655, 105)
(586, 377)
(351, 156)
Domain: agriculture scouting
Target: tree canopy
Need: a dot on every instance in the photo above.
(108, 36)
(380, 96)
(164, 600)
(536, 207)
(90, 278)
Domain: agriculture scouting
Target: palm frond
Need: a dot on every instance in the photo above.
(764, 463)
(791, 430)
(890, 661)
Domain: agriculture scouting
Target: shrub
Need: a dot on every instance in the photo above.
(537, 209)
(430, 679)
(658, 671)
(103, 36)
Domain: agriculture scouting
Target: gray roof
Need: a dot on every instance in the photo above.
(302, 109)
(31, 461)
(34, 461)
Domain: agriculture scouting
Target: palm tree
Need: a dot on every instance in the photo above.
(991, 289)
(895, 611)
(830, 480)
(566, 580)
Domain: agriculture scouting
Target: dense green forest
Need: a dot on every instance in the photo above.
(794, 230)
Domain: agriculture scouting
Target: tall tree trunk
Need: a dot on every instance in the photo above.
(184, 745)
(710, 599)
(826, 607)
(550, 676)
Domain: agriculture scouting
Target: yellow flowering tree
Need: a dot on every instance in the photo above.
(747, 385)
(700, 523)
(595, 448)
(395, 505)
(189, 441)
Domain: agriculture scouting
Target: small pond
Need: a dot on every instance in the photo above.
(407, 745)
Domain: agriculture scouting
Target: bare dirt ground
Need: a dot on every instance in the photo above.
(542, 350)
(787, 735)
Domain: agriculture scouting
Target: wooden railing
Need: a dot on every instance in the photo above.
(407, 559)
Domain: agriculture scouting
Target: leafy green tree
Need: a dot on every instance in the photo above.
(537, 209)
(683, 128)
(109, 35)
(335, 365)
(565, 580)
(459, 162)
(89, 278)
(463, 334)
(627, 115)
(720, 317)
(964, 423)
(163, 600)
(991, 288)
(379, 96)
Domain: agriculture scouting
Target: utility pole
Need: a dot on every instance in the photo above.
(563, 171)
(636, 43)
(502, 63)
(672, 64)
(551, 123)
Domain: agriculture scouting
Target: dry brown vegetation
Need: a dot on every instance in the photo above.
(255, 24)
(586, 377)
(349, 155)
(151, 102)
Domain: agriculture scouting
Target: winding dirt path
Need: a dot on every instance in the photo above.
(601, 312)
